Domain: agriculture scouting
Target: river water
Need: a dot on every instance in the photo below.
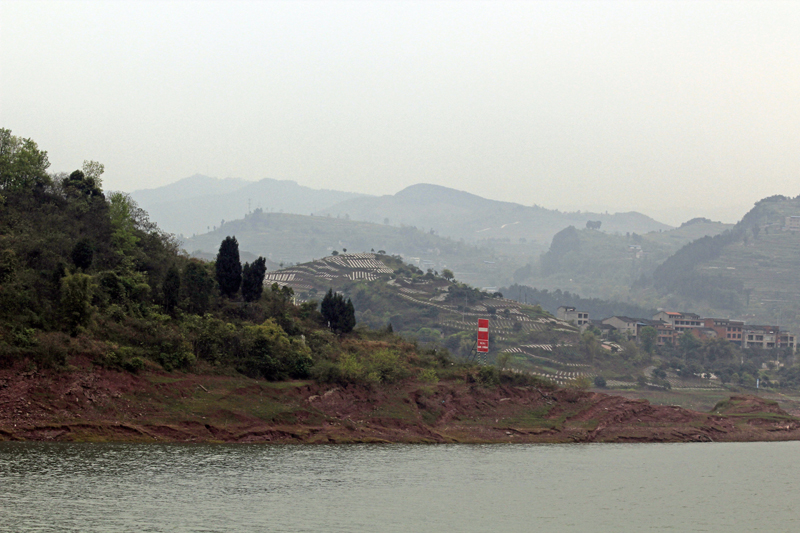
(408, 488)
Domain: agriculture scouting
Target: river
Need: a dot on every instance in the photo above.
(409, 488)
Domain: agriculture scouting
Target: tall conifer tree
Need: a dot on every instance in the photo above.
(229, 269)
(253, 279)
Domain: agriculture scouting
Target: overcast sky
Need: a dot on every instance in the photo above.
(674, 109)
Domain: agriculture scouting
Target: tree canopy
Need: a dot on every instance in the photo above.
(338, 312)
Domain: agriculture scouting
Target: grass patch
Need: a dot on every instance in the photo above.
(534, 418)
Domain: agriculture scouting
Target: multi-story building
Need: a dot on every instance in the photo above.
(625, 325)
(792, 223)
(666, 332)
(680, 321)
(787, 340)
(730, 330)
(761, 337)
(671, 325)
(570, 314)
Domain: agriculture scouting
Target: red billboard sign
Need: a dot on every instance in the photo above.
(483, 335)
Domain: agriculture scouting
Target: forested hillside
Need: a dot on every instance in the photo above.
(596, 307)
(605, 265)
(86, 277)
(748, 271)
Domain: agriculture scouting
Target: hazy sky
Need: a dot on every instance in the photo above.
(675, 109)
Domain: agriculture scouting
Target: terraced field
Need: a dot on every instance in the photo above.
(513, 327)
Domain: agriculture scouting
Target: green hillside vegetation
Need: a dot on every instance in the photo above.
(85, 276)
(749, 271)
(606, 265)
(597, 308)
(439, 312)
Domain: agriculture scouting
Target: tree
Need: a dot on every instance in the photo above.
(229, 269)
(689, 344)
(649, 338)
(81, 186)
(197, 286)
(22, 165)
(171, 288)
(590, 345)
(338, 312)
(92, 170)
(503, 359)
(253, 279)
(82, 254)
(76, 302)
(448, 274)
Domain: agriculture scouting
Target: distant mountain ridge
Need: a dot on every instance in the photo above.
(196, 204)
(463, 215)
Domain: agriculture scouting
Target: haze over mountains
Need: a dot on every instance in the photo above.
(462, 215)
(197, 204)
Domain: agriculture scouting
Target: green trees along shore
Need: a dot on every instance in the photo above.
(85, 274)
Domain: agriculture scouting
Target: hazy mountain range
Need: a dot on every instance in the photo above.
(462, 215)
(199, 203)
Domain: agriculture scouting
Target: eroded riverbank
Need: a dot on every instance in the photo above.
(95, 404)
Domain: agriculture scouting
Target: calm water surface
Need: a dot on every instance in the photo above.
(366, 488)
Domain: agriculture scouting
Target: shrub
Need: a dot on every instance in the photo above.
(488, 376)
(271, 353)
(134, 365)
(429, 375)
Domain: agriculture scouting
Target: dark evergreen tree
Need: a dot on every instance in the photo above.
(197, 286)
(171, 288)
(253, 279)
(339, 313)
(229, 269)
(82, 254)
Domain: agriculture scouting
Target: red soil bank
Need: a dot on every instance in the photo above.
(95, 404)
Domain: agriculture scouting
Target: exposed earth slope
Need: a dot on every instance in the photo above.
(92, 404)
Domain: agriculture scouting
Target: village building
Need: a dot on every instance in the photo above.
(626, 325)
(570, 314)
(765, 337)
(792, 223)
(730, 330)
(680, 321)
(787, 340)
(671, 325)
(666, 332)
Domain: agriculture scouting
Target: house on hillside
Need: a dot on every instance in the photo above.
(680, 321)
(765, 337)
(666, 332)
(604, 329)
(792, 223)
(730, 330)
(570, 314)
(626, 325)
(787, 340)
